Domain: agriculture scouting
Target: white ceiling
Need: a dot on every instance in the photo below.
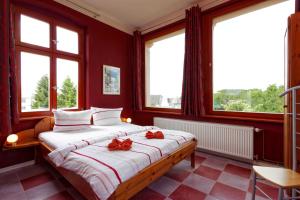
(129, 15)
(137, 13)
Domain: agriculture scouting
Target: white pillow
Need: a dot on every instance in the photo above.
(71, 120)
(106, 116)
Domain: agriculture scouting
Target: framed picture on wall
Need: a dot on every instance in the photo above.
(111, 80)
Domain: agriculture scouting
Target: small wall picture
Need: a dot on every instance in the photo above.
(111, 80)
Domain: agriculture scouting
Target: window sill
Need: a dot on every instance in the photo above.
(278, 120)
(244, 118)
(162, 111)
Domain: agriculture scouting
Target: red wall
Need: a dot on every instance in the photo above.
(103, 45)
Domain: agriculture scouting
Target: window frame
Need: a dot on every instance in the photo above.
(207, 39)
(53, 54)
(166, 30)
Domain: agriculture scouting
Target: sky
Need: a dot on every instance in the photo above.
(166, 66)
(248, 50)
(33, 67)
(67, 40)
(34, 31)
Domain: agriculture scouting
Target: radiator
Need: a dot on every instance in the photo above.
(231, 140)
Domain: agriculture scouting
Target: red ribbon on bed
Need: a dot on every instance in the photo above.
(154, 135)
(120, 145)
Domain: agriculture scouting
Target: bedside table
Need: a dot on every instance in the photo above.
(24, 143)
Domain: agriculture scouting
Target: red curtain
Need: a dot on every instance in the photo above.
(297, 6)
(8, 80)
(13, 72)
(192, 87)
(137, 70)
(5, 73)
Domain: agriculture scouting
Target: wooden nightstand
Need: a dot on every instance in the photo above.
(29, 137)
(30, 142)
(23, 143)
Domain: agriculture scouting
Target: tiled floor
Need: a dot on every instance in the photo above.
(213, 178)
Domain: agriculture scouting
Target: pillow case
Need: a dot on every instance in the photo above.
(71, 120)
(106, 116)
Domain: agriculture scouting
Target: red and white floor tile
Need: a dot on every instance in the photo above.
(213, 178)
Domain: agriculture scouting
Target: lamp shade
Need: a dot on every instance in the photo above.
(12, 138)
(129, 120)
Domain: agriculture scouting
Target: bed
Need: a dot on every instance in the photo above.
(128, 185)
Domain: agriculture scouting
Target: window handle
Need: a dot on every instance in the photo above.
(55, 41)
(54, 87)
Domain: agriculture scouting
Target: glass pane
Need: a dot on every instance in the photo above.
(34, 31)
(67, 82)
(164, 70)
(67, 40)
(248, 59)
(34, 82)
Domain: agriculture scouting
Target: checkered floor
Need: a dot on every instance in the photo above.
(213, 178)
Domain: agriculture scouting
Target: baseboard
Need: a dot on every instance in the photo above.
(17, 166)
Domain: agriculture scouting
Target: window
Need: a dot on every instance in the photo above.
(164, 58)
(49, 58)
(248, 58)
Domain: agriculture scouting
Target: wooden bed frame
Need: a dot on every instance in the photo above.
(125, 190)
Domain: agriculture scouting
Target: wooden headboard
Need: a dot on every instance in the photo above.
(43, 125)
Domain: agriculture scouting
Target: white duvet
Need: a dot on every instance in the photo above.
(104, 170)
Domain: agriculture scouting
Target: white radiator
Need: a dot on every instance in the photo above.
(222, 138)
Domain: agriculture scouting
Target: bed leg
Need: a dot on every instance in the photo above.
(193, 159)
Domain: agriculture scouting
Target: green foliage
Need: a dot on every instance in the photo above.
(237, 105)
(252, 100)
(41, 96)
(67, 97)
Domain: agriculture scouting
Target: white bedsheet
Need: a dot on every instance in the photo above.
(60, 139)
(104, 170)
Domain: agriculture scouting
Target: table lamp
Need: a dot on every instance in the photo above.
(12, 139)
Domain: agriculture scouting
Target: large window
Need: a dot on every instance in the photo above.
(49, 58)
(164, 58)
(248, 58)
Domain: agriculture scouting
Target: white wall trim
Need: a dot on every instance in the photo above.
(17, 166)
(96, 14)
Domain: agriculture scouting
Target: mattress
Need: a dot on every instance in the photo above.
(60, 139)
